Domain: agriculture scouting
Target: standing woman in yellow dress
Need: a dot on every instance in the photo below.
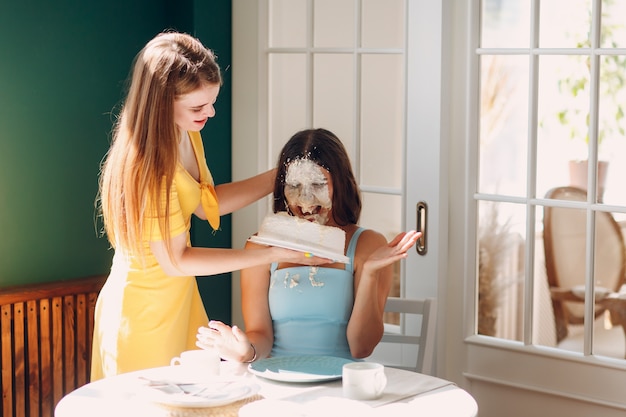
(153, 179)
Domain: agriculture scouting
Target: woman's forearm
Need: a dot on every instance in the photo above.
(365, 328)
(198, 261)
(262, 344)
(233, 196)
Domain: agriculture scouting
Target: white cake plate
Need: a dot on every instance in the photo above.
(321, 252)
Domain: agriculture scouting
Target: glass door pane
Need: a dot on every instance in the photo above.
(382, 120)
(288, 99)
(503, 124)
(333, 91)
(501, 238)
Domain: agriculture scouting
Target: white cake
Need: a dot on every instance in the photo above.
(302, 234)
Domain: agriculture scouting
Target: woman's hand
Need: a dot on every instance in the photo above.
(230, 342)
(395, 250)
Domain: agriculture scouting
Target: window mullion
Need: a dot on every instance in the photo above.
(531, 176)
(357, 89)
(594, 83)
(310, 63)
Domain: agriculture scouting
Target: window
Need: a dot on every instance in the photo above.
(552, 99)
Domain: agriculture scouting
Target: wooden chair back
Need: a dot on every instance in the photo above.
(564, 235)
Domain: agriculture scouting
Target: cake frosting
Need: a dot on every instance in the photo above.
(310, 236)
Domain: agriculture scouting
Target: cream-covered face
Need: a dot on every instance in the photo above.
(308, 191)
(192, 110)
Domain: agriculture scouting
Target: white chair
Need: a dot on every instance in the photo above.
(424, 341)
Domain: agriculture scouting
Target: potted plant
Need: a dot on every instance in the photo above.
(612, 94)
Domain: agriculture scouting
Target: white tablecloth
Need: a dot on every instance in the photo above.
(406, 393)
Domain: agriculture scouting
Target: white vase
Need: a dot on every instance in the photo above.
(578, 175)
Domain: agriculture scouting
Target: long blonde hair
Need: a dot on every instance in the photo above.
(144, 152)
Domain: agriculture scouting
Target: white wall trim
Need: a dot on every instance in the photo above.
(534, 389)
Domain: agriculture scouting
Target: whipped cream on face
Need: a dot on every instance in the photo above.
(306, 191)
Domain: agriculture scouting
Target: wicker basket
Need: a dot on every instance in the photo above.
(227, 410)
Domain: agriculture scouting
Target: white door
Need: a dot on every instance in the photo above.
(302, 57)
(346, 65)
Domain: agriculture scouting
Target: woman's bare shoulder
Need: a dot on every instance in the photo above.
(370, 240)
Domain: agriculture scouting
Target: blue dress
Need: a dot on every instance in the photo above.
(311, 306)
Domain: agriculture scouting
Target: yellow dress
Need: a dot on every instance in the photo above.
(143, 317)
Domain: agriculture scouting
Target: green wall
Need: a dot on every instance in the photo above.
(212, 23)
(63, 65)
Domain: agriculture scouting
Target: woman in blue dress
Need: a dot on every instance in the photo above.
(335, 309)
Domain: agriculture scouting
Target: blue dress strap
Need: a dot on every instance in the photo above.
(352, 249)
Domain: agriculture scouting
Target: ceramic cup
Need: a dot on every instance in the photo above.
(200, 362)
(363, 380)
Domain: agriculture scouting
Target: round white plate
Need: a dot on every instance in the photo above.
(202, 394)
(299, 368)
(322, 253)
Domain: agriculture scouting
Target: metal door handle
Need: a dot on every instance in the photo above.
(422, 221)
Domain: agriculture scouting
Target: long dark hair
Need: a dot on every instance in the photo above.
(326, 150)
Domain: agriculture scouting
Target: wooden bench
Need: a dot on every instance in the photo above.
(45, 349)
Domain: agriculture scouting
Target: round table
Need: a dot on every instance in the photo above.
(406, 393)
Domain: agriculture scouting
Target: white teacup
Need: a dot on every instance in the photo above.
(363, 380)
(199, 362)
